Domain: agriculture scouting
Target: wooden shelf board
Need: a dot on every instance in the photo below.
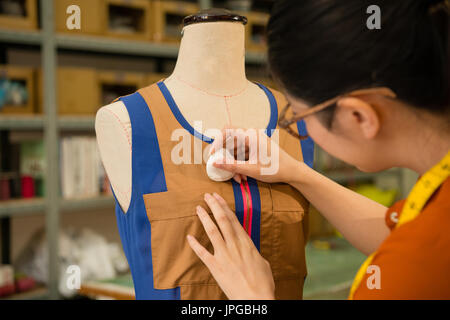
(21, 122)
(38, 293)
(77, 204)
(20, 37)
(23, 207)
(20, 207)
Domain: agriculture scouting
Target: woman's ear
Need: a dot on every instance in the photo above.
(360, 115)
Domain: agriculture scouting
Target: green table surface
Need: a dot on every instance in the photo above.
(331, 272)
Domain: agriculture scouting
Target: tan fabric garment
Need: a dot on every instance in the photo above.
(172, 216)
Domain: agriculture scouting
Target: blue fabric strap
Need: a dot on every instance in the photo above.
(307, 145)
(146, 152)
(147, 177)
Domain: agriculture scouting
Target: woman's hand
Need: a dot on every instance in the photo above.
(241, 272)
(260, 158)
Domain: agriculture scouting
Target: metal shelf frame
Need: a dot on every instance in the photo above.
(37, 122)
(104, 45)
(37, 206)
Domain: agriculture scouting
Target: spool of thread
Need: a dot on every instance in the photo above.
(28, 187)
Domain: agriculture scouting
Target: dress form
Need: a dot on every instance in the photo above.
(208, 84)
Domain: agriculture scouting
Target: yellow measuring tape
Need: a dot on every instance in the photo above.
(422, 191)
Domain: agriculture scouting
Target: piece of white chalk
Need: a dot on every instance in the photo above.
(217, 174)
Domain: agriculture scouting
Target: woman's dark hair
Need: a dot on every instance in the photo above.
(319, 49)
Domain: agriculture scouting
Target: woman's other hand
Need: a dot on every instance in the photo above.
(239, 269)
(259, 157)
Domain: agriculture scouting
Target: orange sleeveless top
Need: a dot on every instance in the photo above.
(274, 215)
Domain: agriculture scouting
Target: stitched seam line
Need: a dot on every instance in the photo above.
(129, 143)
(122, 125)
(228, 110)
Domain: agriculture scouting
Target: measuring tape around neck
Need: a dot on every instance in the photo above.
(417, 199)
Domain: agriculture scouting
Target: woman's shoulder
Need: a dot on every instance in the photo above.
(415, 253)
(438, 207)
(429, 231)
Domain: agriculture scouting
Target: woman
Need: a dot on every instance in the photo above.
(381, 101)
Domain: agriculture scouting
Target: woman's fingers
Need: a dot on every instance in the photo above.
(236, 225)
(243, 169)
(225, 207)
(235, 259)
(211, 229)
(221, 218)
(205, 256)
(237, 178)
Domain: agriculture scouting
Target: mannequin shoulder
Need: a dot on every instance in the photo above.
(113, 120)
(113, 131)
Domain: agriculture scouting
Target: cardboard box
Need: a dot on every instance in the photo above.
(26, 22)
(129, 19)
(24, 76)
(82, 91)
(115, 84)
(78, 92)
(168, 19)
(93, 16)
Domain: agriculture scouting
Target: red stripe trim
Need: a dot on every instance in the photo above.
(244, 199)
(250, 209)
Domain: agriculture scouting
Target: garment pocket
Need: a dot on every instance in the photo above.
(288, 230)
(288, 205)
(172, 217)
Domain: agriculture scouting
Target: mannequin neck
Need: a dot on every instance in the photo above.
(212, 58)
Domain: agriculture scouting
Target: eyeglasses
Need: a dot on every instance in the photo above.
(285, 123)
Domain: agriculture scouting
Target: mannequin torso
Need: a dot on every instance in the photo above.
(208, 85)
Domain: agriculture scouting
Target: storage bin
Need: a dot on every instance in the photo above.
(129, 19)
(168, 19)
(78, 92)
(17, 95)
(18, 14)
(113, 84)
(92, 16)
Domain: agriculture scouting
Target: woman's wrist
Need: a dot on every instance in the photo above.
(296, 173)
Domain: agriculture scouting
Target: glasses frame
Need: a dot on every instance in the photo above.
(285, 123)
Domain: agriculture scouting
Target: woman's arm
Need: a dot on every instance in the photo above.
(359, 219)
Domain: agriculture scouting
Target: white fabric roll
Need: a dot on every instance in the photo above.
(217, 174)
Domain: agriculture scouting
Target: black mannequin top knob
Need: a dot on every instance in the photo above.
(214, 15)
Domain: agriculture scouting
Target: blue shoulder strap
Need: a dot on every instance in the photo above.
(147, 166)
(307, 145)
(147, 177)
